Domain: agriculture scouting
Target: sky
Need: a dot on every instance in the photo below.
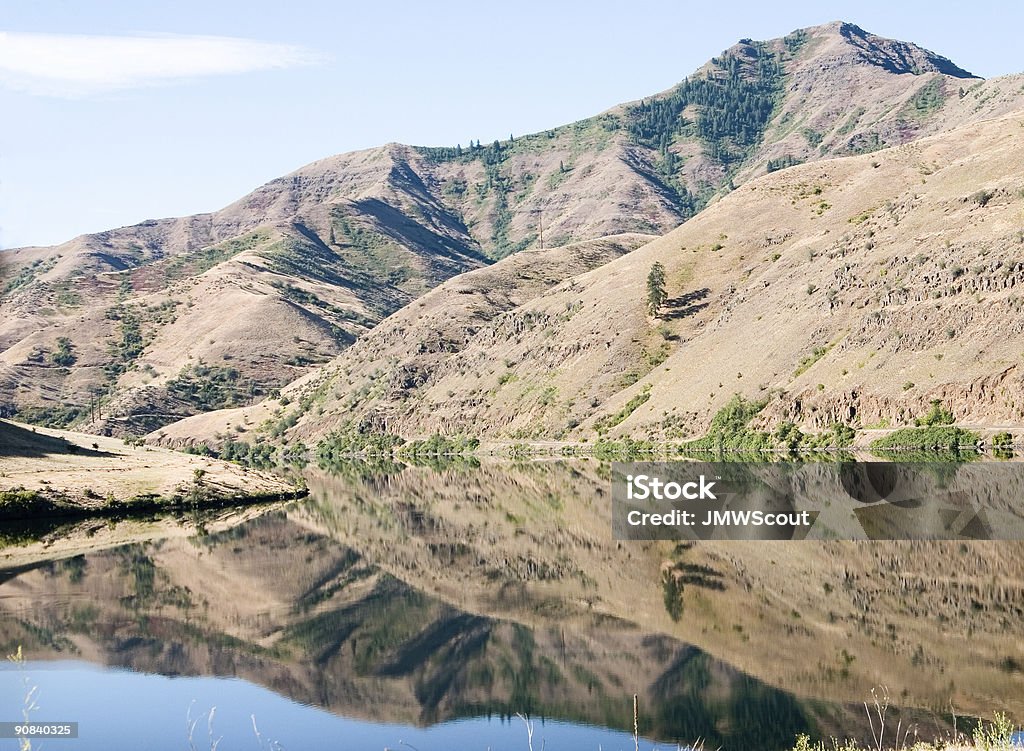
(117, 111)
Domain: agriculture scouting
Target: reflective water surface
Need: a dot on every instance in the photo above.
(427, 607)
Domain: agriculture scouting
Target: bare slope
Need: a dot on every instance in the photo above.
(173, 317)
(878, 283)
(405, 355)
(73, 473)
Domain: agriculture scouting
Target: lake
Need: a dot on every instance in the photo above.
(429, 607)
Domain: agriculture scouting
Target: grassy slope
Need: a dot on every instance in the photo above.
(883, 282)
(74, 473)
(409, 349)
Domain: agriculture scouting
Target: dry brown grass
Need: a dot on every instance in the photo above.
(86, 470)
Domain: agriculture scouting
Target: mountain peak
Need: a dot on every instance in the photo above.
(847, 39)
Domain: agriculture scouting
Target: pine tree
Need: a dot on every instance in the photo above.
(655, 289)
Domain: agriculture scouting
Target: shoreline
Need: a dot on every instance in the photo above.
(39, 507)
(48, 474)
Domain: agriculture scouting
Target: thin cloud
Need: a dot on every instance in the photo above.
(80, 65)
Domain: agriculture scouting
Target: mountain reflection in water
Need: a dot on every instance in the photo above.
(418, 596)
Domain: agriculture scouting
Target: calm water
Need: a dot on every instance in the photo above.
(117, 707)
(424, 608)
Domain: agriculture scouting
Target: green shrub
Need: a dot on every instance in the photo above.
(789, 436)
(937, 415)
(626, 449)
(64, 356)
(21, 504)
(729, 432)
(210, 387)
(926, 100)
(57, 416)
(258, 455)
(932, 438)
(816, 354)
(284, 424)
(439, 445)
(608, 422)
(342, 445)
(996, 736)
(296, 454)
(129, 347)
(1002, 445)
(1002, 440)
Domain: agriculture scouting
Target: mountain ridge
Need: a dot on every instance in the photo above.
(306, 264)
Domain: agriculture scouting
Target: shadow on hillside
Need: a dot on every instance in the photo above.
(685, 305)
(18, 441)
(402, 229)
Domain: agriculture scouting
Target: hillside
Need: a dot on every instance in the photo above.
(173, 317)
(52, 474)
(127, 330)
(411, 346)
(883, 282)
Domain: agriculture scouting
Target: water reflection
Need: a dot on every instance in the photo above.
(309, 618)
(415, 595)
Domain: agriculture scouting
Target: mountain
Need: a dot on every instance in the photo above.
(881, 283)
(410, 347)
(127, 330)
(171, 317)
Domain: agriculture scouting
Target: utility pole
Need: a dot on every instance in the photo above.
(541, 229)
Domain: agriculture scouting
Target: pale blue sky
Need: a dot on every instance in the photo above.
(89, 142)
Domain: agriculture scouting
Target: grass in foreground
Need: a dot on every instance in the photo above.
(995, 736)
